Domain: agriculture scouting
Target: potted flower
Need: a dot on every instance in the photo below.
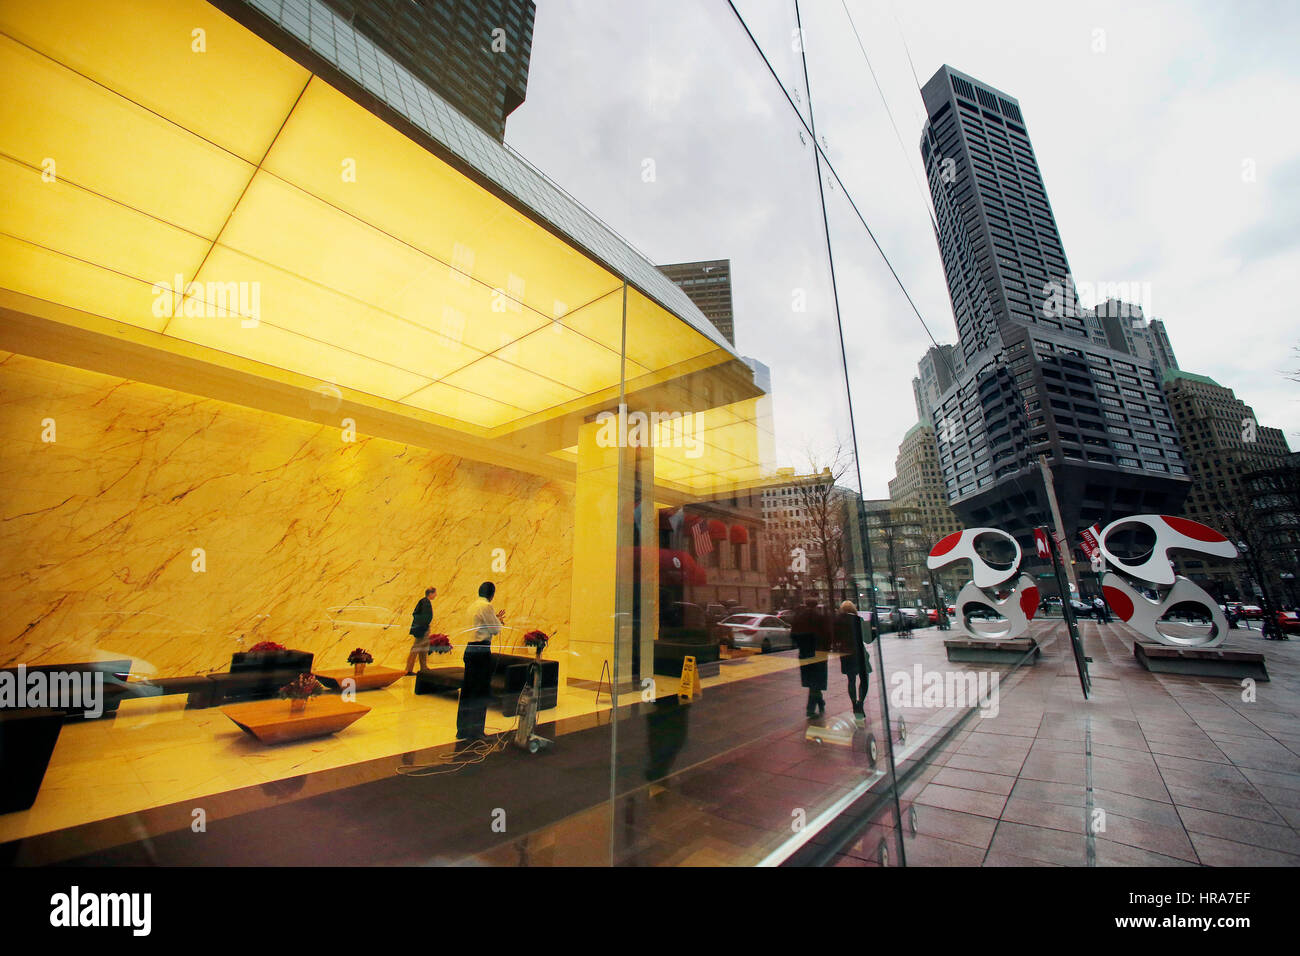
(537, 640)
(300, 690)
(439, 644)
(359, 658)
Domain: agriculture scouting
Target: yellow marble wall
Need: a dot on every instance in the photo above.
(98, 530)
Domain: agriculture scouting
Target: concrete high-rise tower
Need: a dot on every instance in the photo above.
(1037, 375)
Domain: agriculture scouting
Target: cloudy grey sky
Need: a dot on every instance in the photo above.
(1147, 120)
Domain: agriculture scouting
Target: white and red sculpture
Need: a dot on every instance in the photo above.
(1157, 571)
(1017, 607)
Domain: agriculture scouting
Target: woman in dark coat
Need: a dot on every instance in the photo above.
(810, 632)
(855, 663)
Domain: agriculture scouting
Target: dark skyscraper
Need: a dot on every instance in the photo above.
(473, 53)
(709, 286)
(1036, 375)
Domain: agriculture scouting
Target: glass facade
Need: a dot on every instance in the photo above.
(369, 500)
(348, 384)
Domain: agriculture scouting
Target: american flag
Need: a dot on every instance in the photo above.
(703, 543)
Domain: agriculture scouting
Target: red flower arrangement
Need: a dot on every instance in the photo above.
(537, 639)
(439, 643)
(266, 647)
(360, 656)
(302, 687)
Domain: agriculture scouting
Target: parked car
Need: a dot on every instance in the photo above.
(767, 632)
(915, 616)
(1288, 622)
(932, 615)
(715, 614)
(1253, 611)
(888, 618)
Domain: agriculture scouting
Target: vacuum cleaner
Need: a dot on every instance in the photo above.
(529, 698)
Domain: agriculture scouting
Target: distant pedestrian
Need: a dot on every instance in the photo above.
(810, 632)
(421, 620)
(854, 661)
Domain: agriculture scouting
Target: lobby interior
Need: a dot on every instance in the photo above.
(274, 358)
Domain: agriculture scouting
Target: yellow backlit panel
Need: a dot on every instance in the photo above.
(494, 378)
(88, 227)
(57, 278)
(235, 92)
(656, 338)
(93, 137)
(563, 355)
(356, 256)
(280, 223)
(463, 406)
(404, 190)
(293, 353)
(601, 320)
(291, 303)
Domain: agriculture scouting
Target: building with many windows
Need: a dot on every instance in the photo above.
(708, 284)
(1127, 330)
(472, 53)
(1224, 445)
(918, 486)
(1037, 376)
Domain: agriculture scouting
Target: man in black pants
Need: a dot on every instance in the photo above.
(421, 618)
(484, 624)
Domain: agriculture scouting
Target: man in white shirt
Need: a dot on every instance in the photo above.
(484, 624)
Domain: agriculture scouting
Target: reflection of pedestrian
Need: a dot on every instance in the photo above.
(484, 624)
(811, 633)
(853, 654)
(666, 724)
(421, 619)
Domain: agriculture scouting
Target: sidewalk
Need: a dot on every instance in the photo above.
(1171, 770)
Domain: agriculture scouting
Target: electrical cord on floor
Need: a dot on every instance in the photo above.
(477, 752)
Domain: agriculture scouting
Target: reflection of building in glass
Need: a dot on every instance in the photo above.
(811, 552)
(472, 53)
(1223, 443)
(918, 486)
(708, 284)
(1036, 377)
(898, 551)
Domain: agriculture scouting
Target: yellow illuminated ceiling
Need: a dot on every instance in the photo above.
(133, 164)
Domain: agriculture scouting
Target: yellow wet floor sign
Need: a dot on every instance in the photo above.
(690, 679)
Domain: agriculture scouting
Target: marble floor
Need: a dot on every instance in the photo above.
(157, 752)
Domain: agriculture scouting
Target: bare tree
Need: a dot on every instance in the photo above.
(821, 499)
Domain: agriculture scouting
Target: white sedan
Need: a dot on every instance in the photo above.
(764, 631)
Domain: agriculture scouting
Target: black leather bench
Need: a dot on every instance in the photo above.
(251, 677)
(112, 685)
(27, 739)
